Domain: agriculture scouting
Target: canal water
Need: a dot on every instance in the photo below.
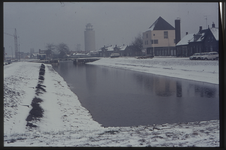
(119, 97)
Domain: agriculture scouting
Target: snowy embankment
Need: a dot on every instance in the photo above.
(198, 70)
(41, 110)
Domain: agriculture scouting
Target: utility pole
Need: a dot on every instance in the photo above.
(15, 43)
(153, 45)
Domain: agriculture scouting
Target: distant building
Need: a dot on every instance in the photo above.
(34, 55)
(123, 50)
(44, 54)
(89, 35)
(159, 39)
(182, 45)
(206, 40)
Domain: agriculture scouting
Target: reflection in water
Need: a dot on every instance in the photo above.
(90, 77)
(117, 97)
(164, 87)
(179, 89)
(64, 68)
(205, 91)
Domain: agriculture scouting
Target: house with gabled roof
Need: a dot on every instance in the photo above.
(106, 51)
(206, 40)
(182, 45)
(159, 39)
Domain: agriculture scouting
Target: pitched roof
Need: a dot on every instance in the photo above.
(185, 39)
(215, 33)
(200, 36)
(110, 48)
(161, 24)
(123, 47)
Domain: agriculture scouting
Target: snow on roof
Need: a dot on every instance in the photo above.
(122, 48)
(80, 54)
(215, 33)
(35, 54)
(110, 48)
(202, 35)
(153, 25)
(185, 39)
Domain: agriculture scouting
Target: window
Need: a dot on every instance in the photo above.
(155, 41)
(165, 34)
(147, 35)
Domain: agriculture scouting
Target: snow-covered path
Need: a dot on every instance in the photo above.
(198, 70)
(66, 123)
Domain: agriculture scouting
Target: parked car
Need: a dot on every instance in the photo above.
(5, 63)
(9, 61)
(196, 56)
(203, 55)
(113, 55)
(211, 56)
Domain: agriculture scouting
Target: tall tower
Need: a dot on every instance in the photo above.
(89, 38)
(177, 30)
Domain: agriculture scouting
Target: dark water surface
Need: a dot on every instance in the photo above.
(118, 97)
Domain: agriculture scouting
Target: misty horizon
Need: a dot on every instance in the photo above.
(114, 23)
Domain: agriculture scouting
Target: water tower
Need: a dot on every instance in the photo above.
(89, 38)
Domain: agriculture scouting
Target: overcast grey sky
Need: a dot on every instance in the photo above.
(39, 23)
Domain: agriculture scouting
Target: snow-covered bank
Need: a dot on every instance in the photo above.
(198, 70)
(66, 123)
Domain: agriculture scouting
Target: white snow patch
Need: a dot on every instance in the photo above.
(66, 123)
(204, 71)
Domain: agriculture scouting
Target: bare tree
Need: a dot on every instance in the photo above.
(136, 46)
(51, 50)
(63, 49)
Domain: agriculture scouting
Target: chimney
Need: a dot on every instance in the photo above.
(177, 31)
(213, 25)
(195, 37)
(200, 28)
(186, 33)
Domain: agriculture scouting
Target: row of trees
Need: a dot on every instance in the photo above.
(60, 50)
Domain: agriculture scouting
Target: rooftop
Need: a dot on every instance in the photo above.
(161, 24)
(185, 39)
